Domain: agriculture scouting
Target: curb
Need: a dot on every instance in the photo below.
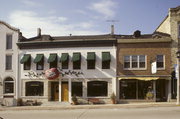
(72, 107)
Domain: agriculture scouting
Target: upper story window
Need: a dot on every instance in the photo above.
(106, 60)
(26, 60)
(134, 62)
(160, 61)
(91, 60)
(52, 60)
(8, 62)
(39, 60)
(9, 41)
(76, 60)
(64, 60)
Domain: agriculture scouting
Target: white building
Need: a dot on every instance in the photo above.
(88, 61)
(9, 62)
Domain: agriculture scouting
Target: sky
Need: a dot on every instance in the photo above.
(85, 17)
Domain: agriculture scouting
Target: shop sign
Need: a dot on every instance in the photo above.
(52, 73)
(154, 67)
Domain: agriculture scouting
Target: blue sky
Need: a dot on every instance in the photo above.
(84, 17)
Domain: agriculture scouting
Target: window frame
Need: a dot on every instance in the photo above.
(40, 82)
(6, 82)
(40, 64)
(81, 89)
(6, 62)
(161, 68)
(91, 64)
(65, 65)
(27, 63)
(77, 65)
(7, 43)
(138, 62)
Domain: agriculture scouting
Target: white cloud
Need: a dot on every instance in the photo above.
(28, 22)
(31, 3)
(104, 7)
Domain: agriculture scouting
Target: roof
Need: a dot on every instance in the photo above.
(9, 26)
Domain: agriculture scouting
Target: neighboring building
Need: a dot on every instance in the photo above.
(135, 56)
(9, 62)
(171, 25)
(88, 61)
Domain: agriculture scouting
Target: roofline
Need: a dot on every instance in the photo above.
(9, 26)
(162, 22)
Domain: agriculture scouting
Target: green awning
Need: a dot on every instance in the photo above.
(76, 57)
(106, 56)
(64, 57)
(52, 58)
(39, 58)
(91, 56)
(25, 58)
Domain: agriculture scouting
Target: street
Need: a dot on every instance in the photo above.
(116, 113)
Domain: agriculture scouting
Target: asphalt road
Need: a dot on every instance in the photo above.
(116, 113)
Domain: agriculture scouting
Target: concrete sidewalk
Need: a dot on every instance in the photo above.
(103, 106)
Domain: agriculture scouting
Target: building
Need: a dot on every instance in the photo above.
(87, 64)
(135, 56)
(9, 63)
(171, 25)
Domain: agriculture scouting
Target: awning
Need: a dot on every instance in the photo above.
(91, 56)
(25, 58)
(52, 58)
(64, 57)
(39, 58)
(145, 78)
(106, 56)
(76, 57)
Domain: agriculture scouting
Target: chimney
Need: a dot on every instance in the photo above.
(38, 32)
(137, 34)
(112, 29)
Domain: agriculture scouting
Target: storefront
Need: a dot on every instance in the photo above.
(144, 88)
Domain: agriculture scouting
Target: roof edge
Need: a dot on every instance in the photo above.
(9, 26)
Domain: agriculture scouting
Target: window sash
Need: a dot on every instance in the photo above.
(8, 62)
(8, 41)
(135, 62)
(160, 61)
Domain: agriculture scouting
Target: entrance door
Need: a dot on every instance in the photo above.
(161, 90)
(55, 91)
(64, 92)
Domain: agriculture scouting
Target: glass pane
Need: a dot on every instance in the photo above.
(127, 65)
(9, 87)
(134, 58)
(134, 61)
(126, 58)
(159, 58)
(34, 88)
(77, 88)
(142, 58)
(141, 64)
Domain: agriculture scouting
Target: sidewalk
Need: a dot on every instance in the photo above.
(103, 106)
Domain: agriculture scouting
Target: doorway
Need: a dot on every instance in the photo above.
(64, 92)
(55, 91)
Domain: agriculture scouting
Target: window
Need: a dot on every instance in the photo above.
(77, 88)
(8, 85)
(160, 61)
(40, 65)
(97, 88)
(8, 41)
(52, 60)
(126, 61)
(65, 65)
(8, 62)
(76, 60)
(134, 62)
(106, 65)
(34, 88)
(91, 64)
(27, 65)
(106, 59)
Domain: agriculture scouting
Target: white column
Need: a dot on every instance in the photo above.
(85, 88)
(178, 99)
(169, 91)
(69, 89)
(59, 90)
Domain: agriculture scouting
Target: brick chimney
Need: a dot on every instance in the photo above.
(112, 29)
(38, 32)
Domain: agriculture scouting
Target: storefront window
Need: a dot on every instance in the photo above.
(34, 88)
(135, 89)
(97, 88)
(8, 85)
(77, 88)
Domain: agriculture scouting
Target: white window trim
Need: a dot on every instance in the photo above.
(163, 68)
(5, 87)
(138, 63)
